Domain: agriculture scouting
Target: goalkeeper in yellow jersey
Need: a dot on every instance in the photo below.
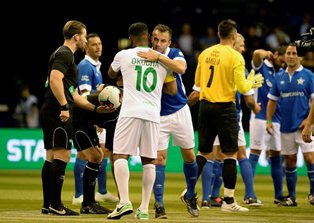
(220, 73)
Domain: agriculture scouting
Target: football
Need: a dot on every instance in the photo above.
(110, 96)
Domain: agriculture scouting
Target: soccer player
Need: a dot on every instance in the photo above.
(209, 178)
(176, 120)
(89, 80)
(267, 63)
(294, 87)
(137, 128)
(56, 115)
(217, 112)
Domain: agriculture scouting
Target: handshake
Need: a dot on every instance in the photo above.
(257, 80)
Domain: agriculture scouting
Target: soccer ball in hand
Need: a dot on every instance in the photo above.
(110, 96)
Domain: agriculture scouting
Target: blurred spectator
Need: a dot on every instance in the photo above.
(307, 23)
(209, 39)
(26, 112)
(277, 38)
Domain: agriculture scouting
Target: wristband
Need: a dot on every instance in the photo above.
(64, 107)
(269, 121)
(95, 108)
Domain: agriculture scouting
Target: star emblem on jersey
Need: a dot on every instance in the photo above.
(300, 80)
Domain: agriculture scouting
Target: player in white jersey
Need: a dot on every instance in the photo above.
(138, 123)
(175, 120)
(294, 87)
(267, 63)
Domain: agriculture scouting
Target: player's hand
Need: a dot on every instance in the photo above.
(104, 109)
(306, 131)
(64, 116)
(270, 128)
(257, 80)
(150, 55)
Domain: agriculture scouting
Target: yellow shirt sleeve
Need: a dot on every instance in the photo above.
(170, 77)
(243, 85)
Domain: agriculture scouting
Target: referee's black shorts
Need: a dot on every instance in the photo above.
(218, 119)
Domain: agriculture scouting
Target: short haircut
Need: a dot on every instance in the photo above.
(227, 28)
(163, 28)
(91, 35)
(138, 29)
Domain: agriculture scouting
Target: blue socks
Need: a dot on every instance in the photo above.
(217, 179)
(159, 184)
(102, 177)
(206, 179)
(277, 175)
(310, 174)
(291, 179)
(247, 176)
(79, 168)
(253, 160)
(190, 171)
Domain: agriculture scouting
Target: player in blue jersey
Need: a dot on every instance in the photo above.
(89, 80)
(294, 87)
(267, 63)
(176, 120)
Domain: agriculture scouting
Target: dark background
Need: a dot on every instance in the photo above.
(30, 32)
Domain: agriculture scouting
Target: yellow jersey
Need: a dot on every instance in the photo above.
(220, 71)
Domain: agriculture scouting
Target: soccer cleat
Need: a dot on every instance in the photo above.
(289, 202)
(279, 200)
(191, 205)
(234, 207)
(205, 204)
(45, 210)
(215, 201)
(142, 215)
(62, 210)
(253, 202)
(94, 208)
(120, 210)
(310, 198)
(107, 197)
(77, 200)
(160, 212)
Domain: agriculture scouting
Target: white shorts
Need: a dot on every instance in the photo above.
(260, 139)
(180, 126)
(102, 136)
(134, 136)
(241, 138)
(292, 141)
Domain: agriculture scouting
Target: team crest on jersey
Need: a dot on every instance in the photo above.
(300, 81)
(282, 82)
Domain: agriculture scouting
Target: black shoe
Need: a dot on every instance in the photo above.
(253, 202)
(45, 210)
(289, 202)
(279, 200)
(160, 212)
(191, 205)
(62, 210)
(94, 208)
(215, 201)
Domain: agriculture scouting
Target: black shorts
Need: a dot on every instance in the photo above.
(109, 123)
(85, 137)
(218, 119)
(57, 134)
